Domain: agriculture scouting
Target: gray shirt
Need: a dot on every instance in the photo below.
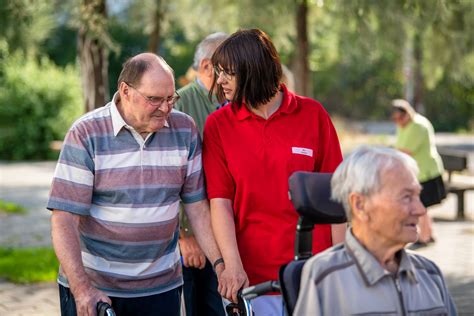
(347, 280)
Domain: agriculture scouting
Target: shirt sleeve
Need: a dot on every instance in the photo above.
(412, 138)
(220, 183)
(73, 180)
(329, 153)
(193, 188)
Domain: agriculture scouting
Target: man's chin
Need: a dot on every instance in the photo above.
(157, 124)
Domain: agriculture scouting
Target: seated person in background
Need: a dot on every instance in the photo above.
(371, 273)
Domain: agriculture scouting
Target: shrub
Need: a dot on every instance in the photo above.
(38, 103)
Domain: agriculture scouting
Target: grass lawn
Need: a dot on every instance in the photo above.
(12, 208)
(27, 265)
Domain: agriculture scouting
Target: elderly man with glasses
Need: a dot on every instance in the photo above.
(121, 174)
(371, 273)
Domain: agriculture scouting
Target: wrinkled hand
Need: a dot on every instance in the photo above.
(87, 299)
(231, 280)
(193, 257)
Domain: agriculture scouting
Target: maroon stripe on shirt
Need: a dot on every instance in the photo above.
(78, 193)
(128, 232)
(133, 176)
(121, 282)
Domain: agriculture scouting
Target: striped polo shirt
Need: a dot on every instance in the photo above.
(127, 190)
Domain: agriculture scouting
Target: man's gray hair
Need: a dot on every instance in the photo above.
(360, 172)
(207, 46)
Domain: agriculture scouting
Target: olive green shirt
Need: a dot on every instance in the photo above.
(417, 137)
(195, 102)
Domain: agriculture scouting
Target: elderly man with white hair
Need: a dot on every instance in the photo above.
(371, 273)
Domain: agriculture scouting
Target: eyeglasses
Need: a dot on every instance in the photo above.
(227, 75)
(158, 101)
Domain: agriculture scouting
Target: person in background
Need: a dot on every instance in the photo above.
(115, 196)
(200, 283)
(371, 273)
(251, 146)
(287, 78)
(415, 137)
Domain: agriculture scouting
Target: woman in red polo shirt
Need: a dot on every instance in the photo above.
(251, 147)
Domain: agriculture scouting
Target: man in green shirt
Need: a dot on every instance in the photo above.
(200, 283)
(415, 137)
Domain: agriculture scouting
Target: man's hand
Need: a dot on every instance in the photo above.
(65, 237)
(193, 256)
(231, 280)
(87, 299)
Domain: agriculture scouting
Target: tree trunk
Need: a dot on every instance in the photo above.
(408, 70)
(301, 65)
(93, 57)
(154, 39)
(418, 74)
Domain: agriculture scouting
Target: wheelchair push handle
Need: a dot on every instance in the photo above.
(260, 289)
(104, 309)
(243, 306)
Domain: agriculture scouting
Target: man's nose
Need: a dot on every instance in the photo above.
(418, 208)
(164, 107)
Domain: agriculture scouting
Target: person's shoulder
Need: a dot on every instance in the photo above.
(423, 263)
(421, 121)
(329, 261)
(179, 116)
(224, 111)
(310, 104)
(93, 118)
(183, 91)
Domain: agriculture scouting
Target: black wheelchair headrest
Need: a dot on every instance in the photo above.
(310, 193)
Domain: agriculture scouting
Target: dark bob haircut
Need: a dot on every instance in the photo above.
(251, 56)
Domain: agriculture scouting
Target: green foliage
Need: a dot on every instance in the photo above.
(25, 24)
(360, 90)
(450, 105)
(131, 42)
(10, 207)
(39, 102)
(28, 265)
(357, 48)
(61, 46)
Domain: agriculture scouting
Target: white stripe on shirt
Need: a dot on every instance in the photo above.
(140, 215)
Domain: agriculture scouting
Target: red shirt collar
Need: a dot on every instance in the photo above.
(288, 105)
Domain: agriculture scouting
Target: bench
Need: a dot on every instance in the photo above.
(456, 161)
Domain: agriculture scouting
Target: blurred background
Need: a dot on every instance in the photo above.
(59, 59)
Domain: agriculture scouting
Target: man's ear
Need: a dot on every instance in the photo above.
(357, 203)
(124, 91)
(206, 67)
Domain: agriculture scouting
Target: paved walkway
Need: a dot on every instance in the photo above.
(28, 185)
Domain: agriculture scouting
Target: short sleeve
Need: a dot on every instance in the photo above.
(193, 188)
(220, 183)
(411, 138)
(329, 155)
(73, 180)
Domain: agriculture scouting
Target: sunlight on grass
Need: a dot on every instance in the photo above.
(12, 208)
(27, 265)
